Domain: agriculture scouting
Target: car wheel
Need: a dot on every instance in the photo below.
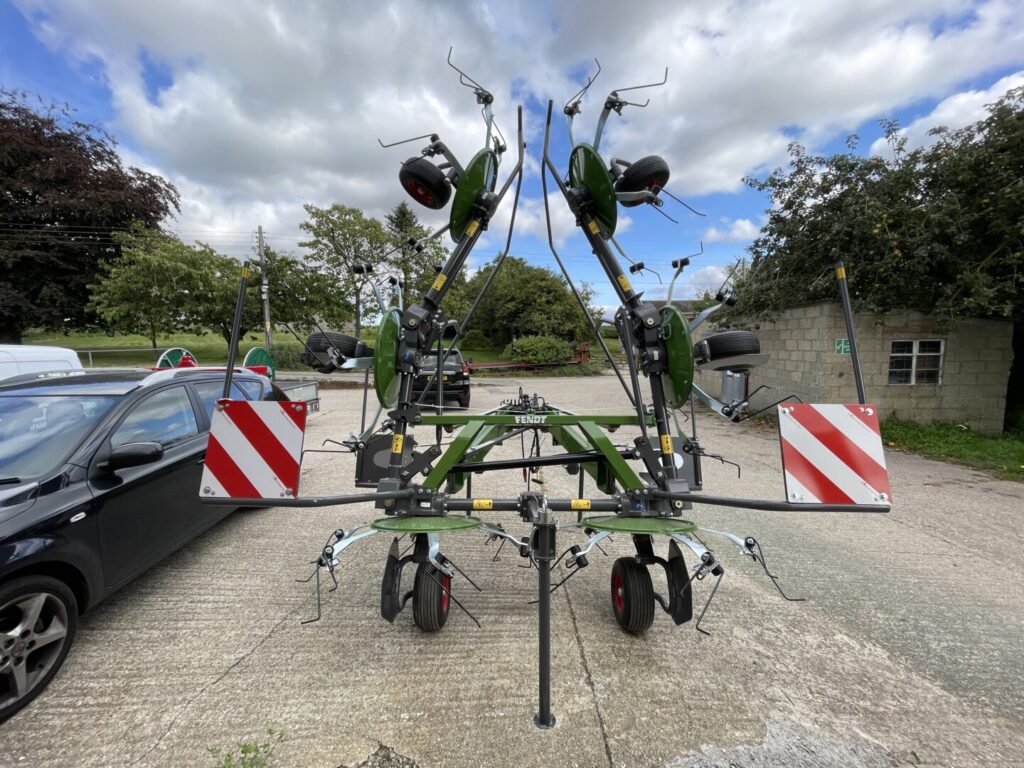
(632, 595)
(464, 401)
(38, 618)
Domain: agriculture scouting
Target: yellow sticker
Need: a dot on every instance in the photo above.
(579, 503)
(666, 444)
(439, 283)
(594, 227)
(624, 282)
(483, 503)
(246, 272)
(472, 227)
(841, 273)
(397, 442)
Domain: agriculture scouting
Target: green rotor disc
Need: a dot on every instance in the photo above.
(481, 173)
(385, 359)
(587, 169)
(176, 357)
(425, 524)
(677, 381)
(640, 525)
(260, 356)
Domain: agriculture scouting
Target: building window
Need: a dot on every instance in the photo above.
(916, 362)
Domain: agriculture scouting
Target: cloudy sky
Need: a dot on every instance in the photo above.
(255, 107)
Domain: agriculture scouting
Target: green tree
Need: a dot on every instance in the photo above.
(153, 287)
(340, 239)
(938, 229)
(298, 294)
(416, 266)
(63, 193)
(525, 300)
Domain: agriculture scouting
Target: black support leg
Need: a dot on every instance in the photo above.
(544, 554)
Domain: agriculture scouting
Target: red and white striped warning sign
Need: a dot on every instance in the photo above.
(832, 454)
(255, 450)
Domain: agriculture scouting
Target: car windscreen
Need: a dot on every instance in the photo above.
(38, 433)
(453, 362)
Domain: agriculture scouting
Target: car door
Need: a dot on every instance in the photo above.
(148, 511)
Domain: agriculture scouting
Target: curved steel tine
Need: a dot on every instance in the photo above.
(431, 136)
(577, 97)
(647, 85)
(664, 214)
(464, 79)
(685, 205)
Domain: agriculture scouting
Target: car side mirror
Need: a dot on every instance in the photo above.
(132, 455)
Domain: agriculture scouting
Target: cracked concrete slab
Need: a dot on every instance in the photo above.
(907, 651)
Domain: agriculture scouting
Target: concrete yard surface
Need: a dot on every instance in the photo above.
(909, 649)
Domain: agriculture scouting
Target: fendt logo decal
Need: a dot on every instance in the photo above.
(531, 419)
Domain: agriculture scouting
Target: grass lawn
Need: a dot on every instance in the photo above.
(1002, 455)
(125, 350)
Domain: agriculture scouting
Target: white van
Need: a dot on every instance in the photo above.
(16, 359)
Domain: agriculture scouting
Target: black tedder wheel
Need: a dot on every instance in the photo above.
(632, 595)
(319, 342)
(646, 173)
(430, 602)
(732, 343)
(425, 182)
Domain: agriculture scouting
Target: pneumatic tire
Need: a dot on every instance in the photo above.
(38, 619)
(430, 603)
(425, 183)
(632, 595)
(646, 173)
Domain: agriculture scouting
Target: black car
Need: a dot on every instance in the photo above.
(99, 480)
(455, 384)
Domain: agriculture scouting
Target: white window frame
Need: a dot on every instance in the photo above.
(914, 354)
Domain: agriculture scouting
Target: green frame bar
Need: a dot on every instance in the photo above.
(532, 420)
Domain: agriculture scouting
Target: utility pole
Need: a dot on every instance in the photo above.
(264, 290)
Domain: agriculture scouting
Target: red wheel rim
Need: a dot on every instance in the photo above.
(618, 593)
(446, 582)
(419, 192)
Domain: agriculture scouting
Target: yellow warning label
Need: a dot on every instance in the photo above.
(472, 227)
(841, 273)
(624, 282)
(483, 503)
(593, 226)
(579, 503)
(246, 272)
(666, 444)
(439, 283)
(397, 442)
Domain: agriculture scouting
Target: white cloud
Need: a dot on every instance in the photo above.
(740, 230)
(271, 104)
(956, 111)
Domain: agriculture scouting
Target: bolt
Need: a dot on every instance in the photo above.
(869, 411)
(883, 496)
(795, 496)
(677, 504)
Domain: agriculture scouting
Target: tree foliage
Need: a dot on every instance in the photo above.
(416, 265)
(340, 239)
(939, 229)
(63, 193)
(160, 285)
(525, 300)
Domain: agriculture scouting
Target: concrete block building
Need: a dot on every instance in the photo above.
(913, 369)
